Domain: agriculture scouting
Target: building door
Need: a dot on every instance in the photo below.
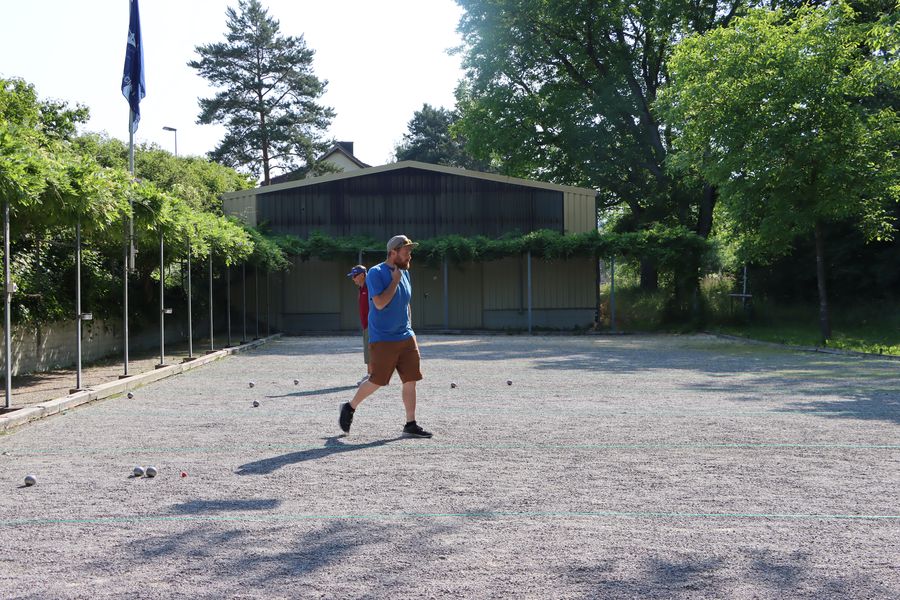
(428, 298)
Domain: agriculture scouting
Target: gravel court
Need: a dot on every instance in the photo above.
(657, 466)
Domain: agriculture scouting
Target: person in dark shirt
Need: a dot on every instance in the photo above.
(358, 276)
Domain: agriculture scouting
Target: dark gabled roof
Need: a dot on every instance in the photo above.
(409, 164)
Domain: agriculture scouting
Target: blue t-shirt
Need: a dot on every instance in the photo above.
(390, 324)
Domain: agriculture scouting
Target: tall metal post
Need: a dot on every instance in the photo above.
(530, 321)
(129, 244)
(612, 294)
(189, 311)
(744, 292)
(212, 346)
(77, 306)
(256, 298)
(446, 295)
(268, 293)
(7, 300)
(162, 306)
(125, 293)
(228, 304)
(244, 300)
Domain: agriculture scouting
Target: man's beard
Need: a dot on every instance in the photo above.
(403, 266)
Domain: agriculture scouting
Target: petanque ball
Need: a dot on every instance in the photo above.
(30, 480)
(138, 471)
(255, 403)
(151, 471)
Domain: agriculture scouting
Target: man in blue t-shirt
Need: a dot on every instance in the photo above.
(392, 342)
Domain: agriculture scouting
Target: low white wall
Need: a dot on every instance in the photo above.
(42, 348)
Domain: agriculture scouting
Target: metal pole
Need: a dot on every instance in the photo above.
(359, 258)
(612, 294)
(189, 311)
(125, 293)
(162, 307)
(268, 321)
(129, 243)
(244, 300)
(212, 346)
(529, 293)
(744, 292)
(446, 296)
(78, 305)
(256, 298)
(7, 299)
(228, 303)
(130, 142)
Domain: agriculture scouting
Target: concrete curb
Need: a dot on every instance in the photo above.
(105, 390)
(854, 353)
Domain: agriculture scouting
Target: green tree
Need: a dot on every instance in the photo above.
(198, 181)
(780, 114)
(428, 139)
(268, 95)
(53, 180)
(564, 91)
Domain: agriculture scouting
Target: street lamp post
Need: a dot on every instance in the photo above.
(175, 131)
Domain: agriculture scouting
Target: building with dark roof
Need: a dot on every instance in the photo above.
(423, 201)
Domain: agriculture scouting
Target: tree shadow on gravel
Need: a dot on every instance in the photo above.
(758, 573)
(879, 406)
(196, 541)
(798, 382)
(332, 446)
(838, 397)
(279, 559)
(206, 507)
(656, 577)
(321, 392)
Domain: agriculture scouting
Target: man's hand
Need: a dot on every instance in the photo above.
(385, 297)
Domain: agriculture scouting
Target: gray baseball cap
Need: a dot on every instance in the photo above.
(399, 241)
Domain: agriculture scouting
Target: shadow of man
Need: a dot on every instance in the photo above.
(332, 446)
(321, 392)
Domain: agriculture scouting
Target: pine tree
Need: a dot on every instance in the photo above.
(268, 95)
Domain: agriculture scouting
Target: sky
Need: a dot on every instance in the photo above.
(382, 59)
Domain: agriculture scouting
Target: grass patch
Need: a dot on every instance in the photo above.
(872, 327)
(875, 339)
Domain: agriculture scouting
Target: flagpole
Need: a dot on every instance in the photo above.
(129, 238)
(134, 89)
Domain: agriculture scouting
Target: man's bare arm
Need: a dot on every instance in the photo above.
(385, 297)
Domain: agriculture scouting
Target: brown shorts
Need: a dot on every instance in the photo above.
(387, 356)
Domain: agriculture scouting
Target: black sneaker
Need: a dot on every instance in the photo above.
(412, 429)
(346, 417)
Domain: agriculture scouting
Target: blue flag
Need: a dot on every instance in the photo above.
(133, 87)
